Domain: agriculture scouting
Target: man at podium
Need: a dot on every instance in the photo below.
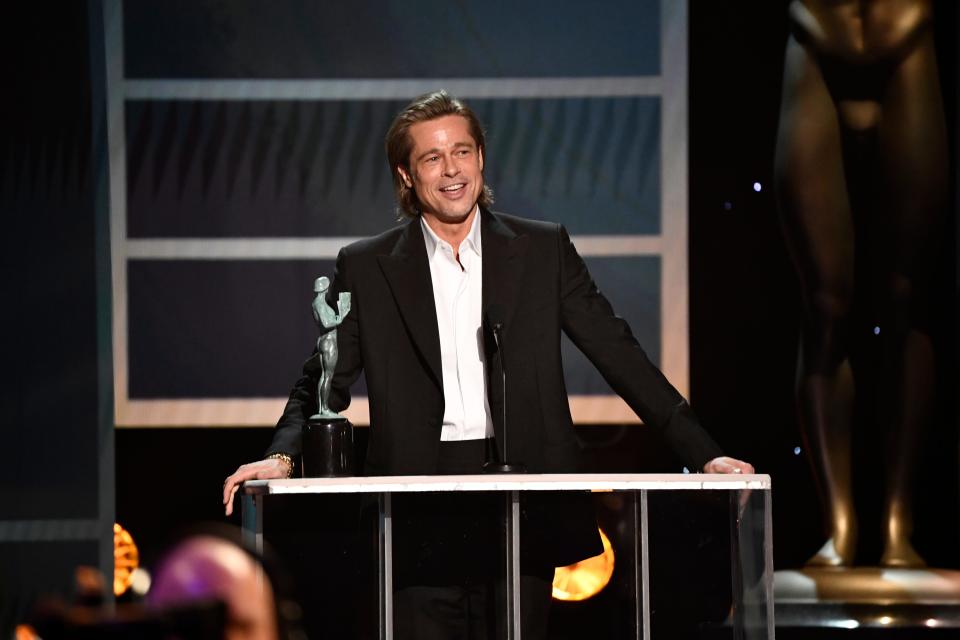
(442, 306)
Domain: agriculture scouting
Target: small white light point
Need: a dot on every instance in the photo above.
(140, 581)
(796, 451)
(757, 187)
(876, 330)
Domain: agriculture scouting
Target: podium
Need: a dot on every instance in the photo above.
(644, 533)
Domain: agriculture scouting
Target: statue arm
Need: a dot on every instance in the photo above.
(343, 306)
(325, 315)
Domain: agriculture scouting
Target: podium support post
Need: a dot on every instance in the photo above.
(251, 515)
(512, 573)
(385, 553)
(643, 567)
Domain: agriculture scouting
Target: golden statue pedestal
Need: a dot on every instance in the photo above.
(868, 597)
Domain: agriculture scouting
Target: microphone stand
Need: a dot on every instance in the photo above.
(505, 466)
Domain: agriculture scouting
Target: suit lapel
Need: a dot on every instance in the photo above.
(408, 275)
(503, 253)
(503, 261)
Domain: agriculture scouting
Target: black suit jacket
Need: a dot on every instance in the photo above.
(531, 271)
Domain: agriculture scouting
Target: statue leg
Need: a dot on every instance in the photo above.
(325, 382)
(818, 226)
(323, 391)
(913, 179)
(328, 352)
(320, 397)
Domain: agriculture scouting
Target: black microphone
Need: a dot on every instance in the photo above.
(493, 321)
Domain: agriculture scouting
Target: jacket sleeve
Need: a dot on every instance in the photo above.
(303, 401)
(607, 341)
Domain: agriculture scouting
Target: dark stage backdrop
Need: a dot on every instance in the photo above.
(187, 170)
(56, 409)
(744, 298)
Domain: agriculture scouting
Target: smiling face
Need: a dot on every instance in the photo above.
(445, 168)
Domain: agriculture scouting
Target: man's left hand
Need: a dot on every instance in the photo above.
(723, 464)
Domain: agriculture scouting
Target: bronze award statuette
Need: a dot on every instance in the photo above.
(327, 435)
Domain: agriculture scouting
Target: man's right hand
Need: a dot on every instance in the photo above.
(268, 469)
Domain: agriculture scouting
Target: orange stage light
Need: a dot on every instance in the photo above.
(586, 578)
(126, 559)
(25, 632)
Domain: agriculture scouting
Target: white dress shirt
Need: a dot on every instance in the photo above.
(458, 297)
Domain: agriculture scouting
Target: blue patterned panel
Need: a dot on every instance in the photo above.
(592, 164)
(390, 39)
(267, 169)
(208, 329)
(257, 169)
(214, 329)
(632, 285)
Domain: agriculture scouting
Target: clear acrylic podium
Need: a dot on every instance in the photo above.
(659, 526)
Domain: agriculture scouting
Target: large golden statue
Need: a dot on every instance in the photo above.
(861, 168)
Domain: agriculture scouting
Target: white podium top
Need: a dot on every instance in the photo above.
(517, 482)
